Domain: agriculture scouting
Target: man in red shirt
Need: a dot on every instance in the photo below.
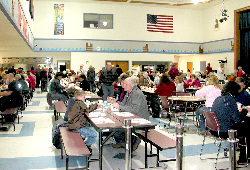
(209, 69)
(173, 72)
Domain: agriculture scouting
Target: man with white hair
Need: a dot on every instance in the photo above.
(11, 98)
(134, 102)
(81, 70)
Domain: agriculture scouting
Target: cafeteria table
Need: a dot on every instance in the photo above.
(186, 100)
(114, 121)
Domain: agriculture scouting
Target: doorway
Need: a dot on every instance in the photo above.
(190, 67)
(122, 64)
(62, 65)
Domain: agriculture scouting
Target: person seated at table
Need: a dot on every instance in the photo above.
(232, 77)
(134, 102)
(24, 86)
(11, 98)
(121, 92)
(77, 121)
(157, 79)
(179, 84)
(230, 117)
(193, 82)
(142, 80)
(165, 87)
(210, 92)
(57, 90)
(71, 100)
(83, 82)
(244, 96)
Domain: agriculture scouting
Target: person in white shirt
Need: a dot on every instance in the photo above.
(157, 79)
(220, 73)
(179, 84)
(81, 70)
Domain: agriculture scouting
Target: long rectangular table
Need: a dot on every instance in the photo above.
(116, 125)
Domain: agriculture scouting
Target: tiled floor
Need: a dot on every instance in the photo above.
(30, 146)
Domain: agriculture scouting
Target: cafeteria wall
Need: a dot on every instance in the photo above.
(129, 22)
(98, 59)
(226, 28)
(209, 58)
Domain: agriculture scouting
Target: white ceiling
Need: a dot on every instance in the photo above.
(12, 42)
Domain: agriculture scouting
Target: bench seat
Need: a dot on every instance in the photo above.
(60, 107)
(11, 111)
(73, 145)
(160, 141)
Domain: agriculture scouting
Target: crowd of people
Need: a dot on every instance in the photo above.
(123, 91)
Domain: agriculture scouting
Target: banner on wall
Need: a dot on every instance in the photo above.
(58, 19)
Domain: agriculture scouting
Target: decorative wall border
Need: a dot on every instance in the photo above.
(132, 46)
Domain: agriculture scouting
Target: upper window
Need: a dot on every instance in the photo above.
(101, 21)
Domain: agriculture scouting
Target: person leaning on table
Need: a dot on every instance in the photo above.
(76, 118)
(230, 117)
(134, 102)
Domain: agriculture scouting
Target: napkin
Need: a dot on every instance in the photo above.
(124, 114)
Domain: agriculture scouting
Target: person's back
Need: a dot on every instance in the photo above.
(24, 86)
(91, 75)
(226, 110)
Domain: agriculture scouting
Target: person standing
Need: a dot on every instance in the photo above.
(44, 79)
(173, 72)
(108, 78)
(209, 68)
(38, 78)
(220, 73)
(81, 70)
(91, 78)
(118, 70)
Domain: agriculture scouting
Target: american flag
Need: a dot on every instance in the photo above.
(160, 23)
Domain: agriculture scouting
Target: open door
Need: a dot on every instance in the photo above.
(190, 67)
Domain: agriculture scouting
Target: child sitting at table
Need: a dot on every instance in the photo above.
(76, 118)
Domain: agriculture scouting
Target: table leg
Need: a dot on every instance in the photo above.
(100, 150)
(146, 148)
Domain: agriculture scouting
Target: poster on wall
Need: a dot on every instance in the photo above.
(31, 9)
(58, 19)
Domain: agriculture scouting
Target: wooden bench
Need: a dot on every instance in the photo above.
(73, 145)
(60, 107)
(160, 141)
(11, 111)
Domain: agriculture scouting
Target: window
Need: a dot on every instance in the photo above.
(101, 21)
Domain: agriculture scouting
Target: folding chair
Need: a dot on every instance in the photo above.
(212, 123)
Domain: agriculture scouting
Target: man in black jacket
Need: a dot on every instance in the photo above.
(108, 78)
(12, 97)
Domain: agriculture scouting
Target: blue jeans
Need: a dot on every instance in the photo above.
(89, 133)
(119, 137)
(92, 86)
(200, 117)
(108, 90)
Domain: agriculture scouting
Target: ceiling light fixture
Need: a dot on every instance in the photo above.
(224, 15)
(195, 1)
